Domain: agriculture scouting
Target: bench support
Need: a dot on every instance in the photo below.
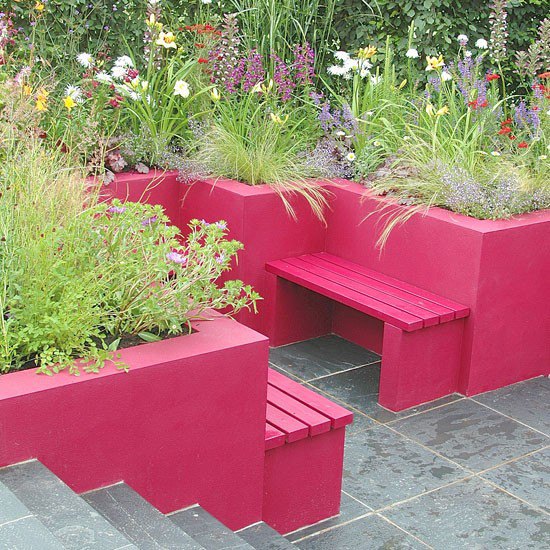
(303, 481)
(419, 366)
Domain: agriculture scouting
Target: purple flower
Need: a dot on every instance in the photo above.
(282, 78)
(116, 209)
(303, 64)
(220, 259)
(221, 225)
(149, 221)
(177, 258)
(255, 72)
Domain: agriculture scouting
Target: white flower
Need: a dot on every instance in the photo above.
(406, 138)
(85, 59)
(74, 92)
(495, 153)
(462, 38)
(340, 133)
(363, 73)
(482, 44)
(181, 88)
(206, 1)
(118, 71)
(375, 79)
(351, 64)
(124, 61)
(337, 70)
(467, 53)
(103, 77)
(376, 144)
(446, 75)
(369, 113)
(342, 56)
(412, 53)
(350, 157)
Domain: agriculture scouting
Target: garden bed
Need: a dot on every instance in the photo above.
(185, 425)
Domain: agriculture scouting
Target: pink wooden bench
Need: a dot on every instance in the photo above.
(422, 331)
(304, 444)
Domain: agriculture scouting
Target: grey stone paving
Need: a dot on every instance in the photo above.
(454, 473)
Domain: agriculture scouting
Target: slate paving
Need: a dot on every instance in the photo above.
(455, 473)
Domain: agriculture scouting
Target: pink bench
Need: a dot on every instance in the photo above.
(304, 445)
(422, 331)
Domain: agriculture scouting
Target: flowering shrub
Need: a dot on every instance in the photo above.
(77, 276)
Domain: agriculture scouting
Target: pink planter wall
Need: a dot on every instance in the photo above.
(186, 424)
(500, 269)
(257, 217)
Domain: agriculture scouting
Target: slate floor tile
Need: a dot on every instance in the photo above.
(471, 434)
(285, 373)
(321, 356)
(528, 478)
(528, 402)
(357, 387)
(27, 534)
(382, 468)
(360, 424)
(11, 508)
(386, 416)
(473, 515)
(349, 509)
(370, 533)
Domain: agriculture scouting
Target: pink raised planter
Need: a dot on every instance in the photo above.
(500, 269)
(186, 424)
(257, 217)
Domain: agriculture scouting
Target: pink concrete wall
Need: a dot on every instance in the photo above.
(499, 269)
(186, 424)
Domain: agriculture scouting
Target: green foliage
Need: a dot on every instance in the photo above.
(77, 275)
(438, 23)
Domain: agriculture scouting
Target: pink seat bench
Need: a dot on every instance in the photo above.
(422, 331)
(304, 444)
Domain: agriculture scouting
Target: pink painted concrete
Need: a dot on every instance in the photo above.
(419, 366)
(303, 481)
(156, 187)
(257, 217)
(500, 269)
(186, 424)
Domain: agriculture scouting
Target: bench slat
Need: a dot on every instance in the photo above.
(338, 415)
(294, 429)
(273, 437)
(445, 313)
(459, 309)
(345, 296)
(428, 317)
(316, 422)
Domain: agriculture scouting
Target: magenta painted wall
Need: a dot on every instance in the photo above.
(186, 424)
(499, 269)
(257, 217)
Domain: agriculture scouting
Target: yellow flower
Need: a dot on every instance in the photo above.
(166, 40)
(69, 103)
(366, 53)
(443, 111)
(41, 105)
(277, 119)
(27, 90)
(403, 84)
(39, 6)
(430, 109)
(215, 94)
(266, 89)
(434, 63)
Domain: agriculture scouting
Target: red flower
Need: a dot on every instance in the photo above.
(203, 60)
(512, 136)
(473, 104)
(506, 122)
(114, 103)
(545, 75)
(199, 45)
(504, 130)
(523, 145)
(492, 76)
(484, 103)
